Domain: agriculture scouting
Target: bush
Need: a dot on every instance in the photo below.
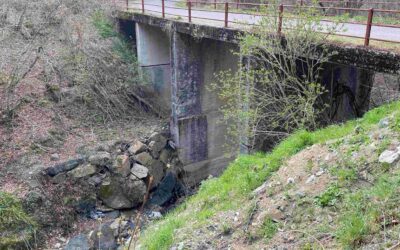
(17, 229)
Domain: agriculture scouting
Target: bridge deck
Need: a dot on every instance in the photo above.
(206, 15)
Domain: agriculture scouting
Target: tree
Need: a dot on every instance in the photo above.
(277, 88)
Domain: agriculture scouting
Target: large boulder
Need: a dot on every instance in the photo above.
(121, 165)
(83, 171)
(100, 158)
(64, 167)
(156, 169)
(103, 238)
(80, 242)
(134, 189)
(165, 191)
(119, 193)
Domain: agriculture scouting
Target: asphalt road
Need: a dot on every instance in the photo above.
(216, 18)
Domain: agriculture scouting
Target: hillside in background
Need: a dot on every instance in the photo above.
(63, 94)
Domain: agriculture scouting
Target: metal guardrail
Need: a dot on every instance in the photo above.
(227, 8)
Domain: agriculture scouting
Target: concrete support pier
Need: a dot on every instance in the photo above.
(181, 59)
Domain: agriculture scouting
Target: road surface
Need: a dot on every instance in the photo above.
(216, 18)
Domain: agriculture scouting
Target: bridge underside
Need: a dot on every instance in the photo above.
(181, 59)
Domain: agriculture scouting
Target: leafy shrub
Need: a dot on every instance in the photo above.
(16, 227)
(268, 229)
(329, 197)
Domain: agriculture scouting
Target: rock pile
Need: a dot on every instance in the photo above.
(119, 173)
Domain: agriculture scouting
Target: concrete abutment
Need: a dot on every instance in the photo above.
(181, 68)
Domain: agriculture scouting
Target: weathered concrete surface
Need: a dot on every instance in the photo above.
(181, 60)
(366, 58)
(195, 117)
(153, 53)
(349, 91)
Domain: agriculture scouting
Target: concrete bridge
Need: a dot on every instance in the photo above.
(181, 59)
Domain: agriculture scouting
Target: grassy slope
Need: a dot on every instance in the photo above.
(245, 174)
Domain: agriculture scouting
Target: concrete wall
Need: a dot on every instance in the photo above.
(349, 91)
(386, 88)
(195, 122)
(181, 69)
(153, 52)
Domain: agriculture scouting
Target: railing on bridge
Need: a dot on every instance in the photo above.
(371, 16)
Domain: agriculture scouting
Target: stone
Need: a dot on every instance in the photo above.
(101, 158)
(60, 178)
(85, 205)
(54, 157)
(290, 180)
(103, 147)
(389, 156)
(144, 158)
(64, 167)
(300, 194)
(165, 155)
(155, 215)
(118, 225)
(261, 189)
(165, 191)
(276, 214)
(157, 142)
(83, 171)
(135, 190)
(384, 123)
(121, 193)
(121, 165)
(80, 242)
(137, 148)
(320, 172)
(103, 238)
(139, 171)
(310, 179)
(156, 169)
(113, 214)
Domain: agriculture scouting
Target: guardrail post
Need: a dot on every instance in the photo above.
(237, 4)
(142, 6)
(163, 8)
(301, 3)
(190, 11)
(369, 26)
(127, 4)
(280, 20)
(226, 14)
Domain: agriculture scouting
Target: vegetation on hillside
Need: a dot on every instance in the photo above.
(16, 225)
(234, 188)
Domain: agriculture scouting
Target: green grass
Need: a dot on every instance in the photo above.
(103, 25)
(268, 229)
(362, 211)
(15, 225)
(245, 174)
(329, 197)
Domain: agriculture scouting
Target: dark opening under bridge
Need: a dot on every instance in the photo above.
(181, 58)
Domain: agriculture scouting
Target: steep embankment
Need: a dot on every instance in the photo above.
(333, 188)
(68, 87)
